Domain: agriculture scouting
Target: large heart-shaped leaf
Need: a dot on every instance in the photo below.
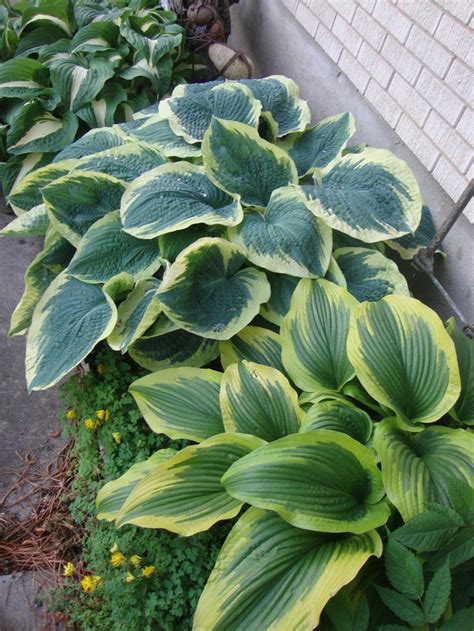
(340, 416)
(34, 222)
(255, 344)
(463, 410)
(96, 36)
(405, 359)
(78, 80)
(270, 575)
(126, 162)
(286, 237)
(156, 131)
(206, 292)
(23, 79)
(49, 14)
(100, 112)
(94, 141)
(283, 287)
(410, 244)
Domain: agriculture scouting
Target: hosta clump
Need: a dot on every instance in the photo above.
(198, 218)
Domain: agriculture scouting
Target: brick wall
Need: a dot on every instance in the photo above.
(413, 61)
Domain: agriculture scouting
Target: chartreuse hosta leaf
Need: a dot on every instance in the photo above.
(314, 335)
(112, 495)
(23, 79)
(190, 115)
(206, 291)
(285, 237)
(184, 494)
(463, 410)
(181, 402)
(78, 80)
(75, 201)
(94, 141)
(340, 416)
(255, 344)
(242, 163)
(35, 222)
(283, 287)
(369, 274)
(405, 359)
(106, 250)
(417, 468)
(173, 197)
(156, 131)
(371, 196)
(68, 321)
(126, 162)
(270, 575)
(410, 244)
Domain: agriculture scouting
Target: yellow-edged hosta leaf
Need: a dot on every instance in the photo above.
(334, 274)
(255, 344)
(34, 222)
(95, 141)
(463, 410)
(282, 287)
(410, 244)
(156, 131)
(340, 416)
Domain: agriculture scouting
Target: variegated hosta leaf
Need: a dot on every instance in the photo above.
(255, 344)
(17, 167)
(23, 79)
(286, 237)
(78, 80)
(405, 359)
(463, 410)
(259, 400)
(410, 244)
(49, 14)
(94, 141)
(321, 480)
(242, 163)
(371, 196)
(68, 321)
(416, 468)
(96, 36)
(270, 575)
(339, 416)
(314, 335)
(106, 250)
(181, 402)
(112, 495)
(184, 494)
(190, 115)
(369, 274)
(173, 197)
(136, 314)
(206, 291)
(334, 274)
(156, 131)
(172, 243)
(100, 112)
(126, 162)
(282, 287)
(173, 349)
(77, 200)
(35, 222)
(118, 287)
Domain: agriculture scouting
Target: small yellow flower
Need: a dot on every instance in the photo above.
(103, 415)
(117, 559)
(117, 436)
(68, 569)
(89, 583)
(135, 560)
(148, 570)
(129, 578)
(71, 414)
(91, 424)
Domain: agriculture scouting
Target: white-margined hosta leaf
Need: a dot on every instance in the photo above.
(49, 13)
(100, 112)
(255, 344)
(106, 250)
(463, 410)
(78, 80)
(95, 36)
(286, 237)
(181, 402)
(369, 274)
(242, 163)
(321, 480)
(340, 416)
(417, 468)
(314, 335)
(34, 222)
(184, 494)
(23, 79)
(410, 244)
(270, 575)
(67, 323)
(156, 131)
(283, 287)
(94, 141)
(371, 196)
(75, 201)
(259, 400)
(173, 197)
(207, 291)
(112, 495)
(405, 359)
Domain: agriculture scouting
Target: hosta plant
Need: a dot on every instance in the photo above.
(332, 437)
(168, 235)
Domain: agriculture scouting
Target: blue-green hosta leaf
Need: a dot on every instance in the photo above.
(242, 163)
(405, 359)
(156, 131)
(118, 287)
(207, 292)
(17, 167)
(94, 141)
(33, 223)
(259, 400)
(112, 495)
(184, 494)
(158, 74)
(68, 321)
(335, 275)
(79, 80)
(410, 244)
(286, 237)
(50, 53)
(255, 344)
(463, 410)
(106, 250)
(77, 200)
(49, 13)
(282, 287)
(369, 274)
(321, 480)
(417, 468)
(181, 402)
(314, 335)
(23, 79)
(270, 575)
(339, 416)
(371, 196)
(173, 197)
(95, 36)
(100, 112)
(32, 42)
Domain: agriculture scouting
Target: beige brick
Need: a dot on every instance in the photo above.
(329, 43)
(403, 61)
(306, 18)
(439, 96)
(450, 179)
(383, 103)
(429, 51)
(323, 11)
(449, 141)
(469, 211)
(346, 8)
(456, 37)
(461, 79)
(461, 9)
(367, 4)
(465, 126)
(369, 28)
(349, 36)
(392, 19)
(290, 5)
(426, 152)
(410, 100)
(355, 72)
(375, 64)
(423, 12)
